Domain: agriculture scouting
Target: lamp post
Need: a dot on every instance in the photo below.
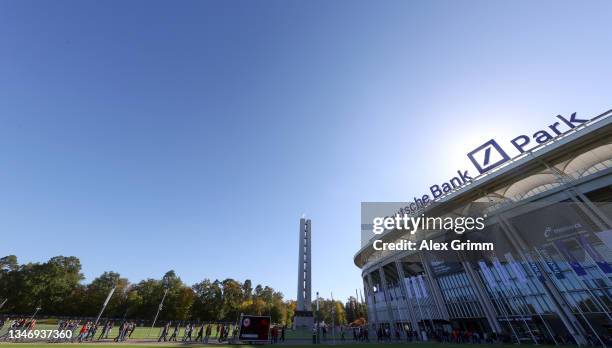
(38, 308)
(108, 297)
(166, 285)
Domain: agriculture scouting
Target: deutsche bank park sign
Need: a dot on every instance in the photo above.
(491, 155)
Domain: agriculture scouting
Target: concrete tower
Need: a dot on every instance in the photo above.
(303, 313)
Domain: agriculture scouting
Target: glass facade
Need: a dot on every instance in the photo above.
(553, 287)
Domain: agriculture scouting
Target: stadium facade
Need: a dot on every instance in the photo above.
(538, 292)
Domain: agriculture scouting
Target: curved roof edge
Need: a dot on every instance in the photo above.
(518, 164)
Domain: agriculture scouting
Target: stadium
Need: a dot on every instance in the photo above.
(549, 280)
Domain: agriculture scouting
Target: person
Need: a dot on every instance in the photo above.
(188, 331)
(174, 333)
(104, 327)
(314, 334)
(282, 338)
(116, 339)
(92, 332)
(123, 330)
(70, 326)
(200, 334)
(164, 332)
(83, 331)
(110, 329)
(221, 331)
(235, 333)
(275, 334)
(105, 330)
(225, 332)
(208, 332)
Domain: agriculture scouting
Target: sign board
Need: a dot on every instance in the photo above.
(254, 328)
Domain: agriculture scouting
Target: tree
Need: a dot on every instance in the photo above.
(208, 300)
(98, 290)
(278, 309)
(56, 285)
(247, 289)
(355, 310)
(291, 306)
(50, 285)
(144, 299)
(8, 264)
(331, 311)
(183, 304)
(232, 299)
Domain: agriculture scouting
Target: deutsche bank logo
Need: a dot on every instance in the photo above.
(488, 156)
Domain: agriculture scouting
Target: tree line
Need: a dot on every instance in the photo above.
(56, 286)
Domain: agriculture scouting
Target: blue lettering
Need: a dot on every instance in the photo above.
(520, 145)
(435, 191)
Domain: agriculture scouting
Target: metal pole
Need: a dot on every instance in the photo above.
(33, 315)
(110, 294)
(161, 304)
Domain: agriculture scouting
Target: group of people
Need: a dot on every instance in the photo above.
(16, 324)
(204, 332)
(87, 331)
(384, 334)
(361, 334)
(277, 334)
(461, 336)
(90, 328)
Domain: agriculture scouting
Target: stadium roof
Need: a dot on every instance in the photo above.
(576, 153)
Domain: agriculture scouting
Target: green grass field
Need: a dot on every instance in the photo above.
(148, 333)
(139, 333)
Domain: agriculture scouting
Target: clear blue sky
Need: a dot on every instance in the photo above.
(143, 136)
